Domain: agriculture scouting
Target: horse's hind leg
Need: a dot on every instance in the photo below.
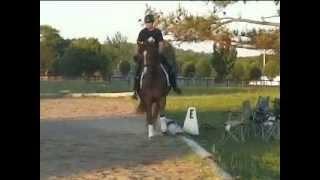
(155, 115)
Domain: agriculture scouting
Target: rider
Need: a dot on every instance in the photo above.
(151, 31)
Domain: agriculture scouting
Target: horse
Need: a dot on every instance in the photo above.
(154, 86)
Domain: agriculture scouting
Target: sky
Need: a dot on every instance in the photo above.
(99, 19)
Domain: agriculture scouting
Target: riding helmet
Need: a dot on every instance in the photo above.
(149, 18)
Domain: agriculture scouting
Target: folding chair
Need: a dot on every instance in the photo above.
(237, 125)
(262, 109)
(260, 115)
(267, 123)
(270, 128)
(276, 108)
(274, 130)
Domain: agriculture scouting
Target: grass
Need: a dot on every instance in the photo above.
(81, 86)
(253, 159)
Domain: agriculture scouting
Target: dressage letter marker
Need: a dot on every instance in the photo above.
(191, 122)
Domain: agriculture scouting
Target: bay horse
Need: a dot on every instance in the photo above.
(154, 86)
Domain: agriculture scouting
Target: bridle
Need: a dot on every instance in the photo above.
(145, 52)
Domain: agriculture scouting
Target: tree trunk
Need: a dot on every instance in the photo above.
(46, 72)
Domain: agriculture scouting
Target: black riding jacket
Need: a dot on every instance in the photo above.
(155, 33)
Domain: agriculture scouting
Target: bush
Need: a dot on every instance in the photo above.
(124, 67)
(77, 62)
(255, 73)
(238, 72)
(222, 60)
(213, 73)
(203, 68)
(188, 69)
(272, 69)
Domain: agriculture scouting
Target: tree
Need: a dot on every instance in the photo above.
(272, 69)
(51, 40)
(91, 58)
(118, 49)
(188, 69)
(117, 40)
(77, 62)
(179, 67)
(87, 44)
(47, 58)
(187, 56)
(50, 37)
(224, 4)
(222, 60)
(255, 73)
(187, 27)
(238, 72)
(170, 54)
(124, 67)
(70, 64)
(203, 68)
(213, 73)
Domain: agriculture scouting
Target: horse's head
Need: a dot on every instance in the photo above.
(149, 49)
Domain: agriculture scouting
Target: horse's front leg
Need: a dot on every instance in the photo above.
(163, 121)
(149, 121)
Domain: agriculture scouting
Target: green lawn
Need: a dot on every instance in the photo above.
(253, 159)
(81, 86)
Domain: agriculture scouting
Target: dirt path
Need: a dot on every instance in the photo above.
(112, 144)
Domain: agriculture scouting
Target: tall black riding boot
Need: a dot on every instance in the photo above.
(173, 82)
(136, 81)
(135, 87)
(171, 73)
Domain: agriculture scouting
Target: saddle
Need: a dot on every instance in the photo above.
(163, 69)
